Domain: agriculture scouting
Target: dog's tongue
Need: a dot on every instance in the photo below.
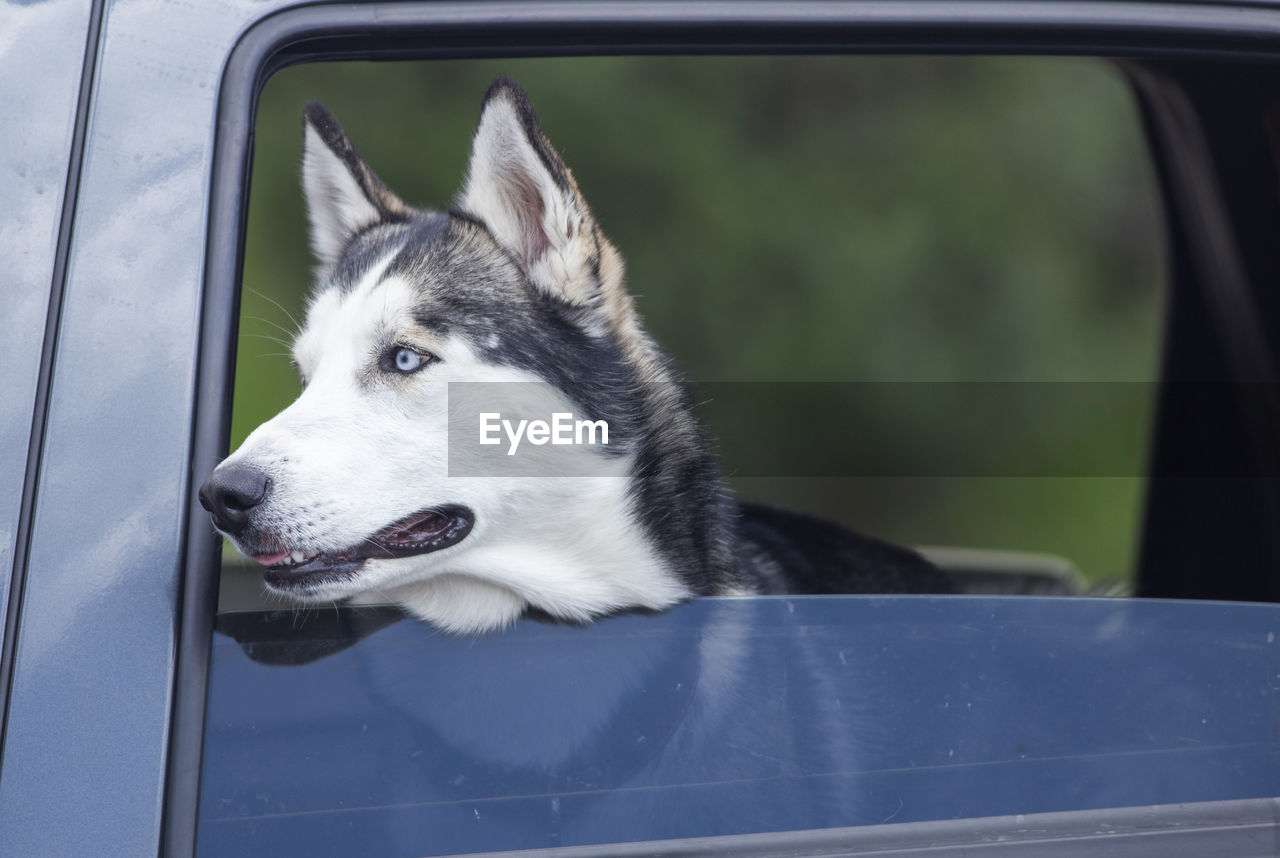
(271, 559)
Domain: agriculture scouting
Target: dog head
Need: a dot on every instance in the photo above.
(348, 491)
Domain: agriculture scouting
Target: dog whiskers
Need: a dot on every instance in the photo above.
(369, 541)
(273, 339)
(281, 328)
(283, 309)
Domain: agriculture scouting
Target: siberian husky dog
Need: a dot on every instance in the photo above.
(376, 483)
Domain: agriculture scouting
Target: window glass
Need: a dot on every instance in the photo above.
(344, 733)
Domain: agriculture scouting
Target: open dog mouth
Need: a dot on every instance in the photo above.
(420, 533)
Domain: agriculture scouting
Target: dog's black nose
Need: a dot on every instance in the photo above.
(231, 493)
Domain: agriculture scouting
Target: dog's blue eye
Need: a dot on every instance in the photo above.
(406, 360)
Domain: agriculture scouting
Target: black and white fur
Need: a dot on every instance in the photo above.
(347, 495)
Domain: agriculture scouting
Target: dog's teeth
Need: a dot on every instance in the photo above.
(297, 556)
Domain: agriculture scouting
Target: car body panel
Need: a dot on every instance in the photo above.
(93, 667)
(35, 151)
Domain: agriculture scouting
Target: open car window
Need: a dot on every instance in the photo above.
(920, 297)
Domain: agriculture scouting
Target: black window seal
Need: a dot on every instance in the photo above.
(447, 30)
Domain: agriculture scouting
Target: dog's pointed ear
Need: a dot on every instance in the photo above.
(520, 188)
(343, 195)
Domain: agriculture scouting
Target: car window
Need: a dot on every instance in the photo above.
(921, 297)
(917, 296)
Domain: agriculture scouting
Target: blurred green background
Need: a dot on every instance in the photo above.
(833, 219)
